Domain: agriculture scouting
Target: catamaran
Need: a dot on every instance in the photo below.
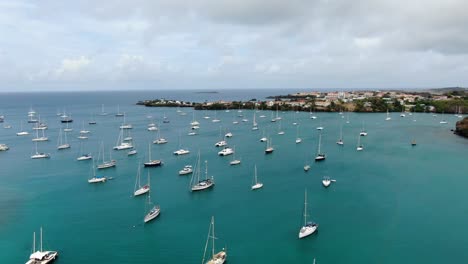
(256, 185)
(181, 151)
(154, 209)
(200, 185)
(226, 151)
(40, 256)
(218, 258)
(309, 227)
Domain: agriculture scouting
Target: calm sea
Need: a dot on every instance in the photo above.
(391, 203)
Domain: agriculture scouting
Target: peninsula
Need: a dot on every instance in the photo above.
(443, 100)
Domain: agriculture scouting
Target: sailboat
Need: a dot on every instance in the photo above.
(363, 132)
(38, 139)
(155, 209)
(194, 122)
(298, 139)
(125, 125)
(152, 163)
(340, 140)
(320, 156)
(92, 121)
(257, 185)
(280, 131)
(201, 184)
(443, 119)
(121, 143)
(269, 149)
(83, 130)
(160, 140)
(347, 118)
(254, 122)
(40, 155)
(234, 161)
(40, 256)
(360, 147)
(118, 112)
(218, 258)
(106, 164)
(62, 144)
(103, 113)
(96, 179)
(85, 156)
(22, 132)
(216, 119)
(309, 227)
(388, 116)
(263, 139)
(139, 190)
(181, 151)
(67, 129)
(222, 141)
(312, 115)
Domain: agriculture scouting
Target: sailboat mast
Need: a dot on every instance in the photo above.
(213, 235)
(305, 207)
(320, 139)
(41, 238)
(34, 242)
(206, 169)
(255, 174)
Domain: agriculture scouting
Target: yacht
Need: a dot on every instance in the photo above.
(221, 143)
(106, 163)
(360, 147)
(96, 179)
(269, 149)
(39, 155)
(40, 256)
(309, 227)
(326, 181)
(122, 142)
(84, 157)
(139, 190)
(22, 132)
(228, 135)
(257, 185)
(151, 162)
(186, 170)
(181, 152)
(199, 185)
(226, 151)
(4, 147)
(320, 156)
(154, 209)
(218, 258)
(160, 141)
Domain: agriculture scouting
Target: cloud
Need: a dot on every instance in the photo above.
(233, 43)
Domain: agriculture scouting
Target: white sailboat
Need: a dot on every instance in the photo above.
(125, 125)
(226, 151)
(269, 149)
(204, 184)
(194, 122)
(119, 114)
(22, 132)
(40, 139)
(320, 156)
(154, 209)
(388, 116)
(83, 130)
(67, 128)
(280, 131)
(256, 185)
(309, 227)
(216, 119)
(103, 113)
(254, 122)
(40, 155)
(234, 161)
(359, 147)
(62, 144)
(139, 190)
(85, 156)
(298, 139)
(340, 140)
(96, 179)
(121, 143)
(181, 151)
(218, 258)
(106, 164)
(363, 132)
(40, 256)
(326, 181)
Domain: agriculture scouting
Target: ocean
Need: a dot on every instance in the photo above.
(391, 203)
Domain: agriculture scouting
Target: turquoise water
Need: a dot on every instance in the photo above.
(392, 203)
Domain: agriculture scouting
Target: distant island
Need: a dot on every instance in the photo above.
(441, 100)
(207, 92)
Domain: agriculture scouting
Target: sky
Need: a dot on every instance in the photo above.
(232, 44)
